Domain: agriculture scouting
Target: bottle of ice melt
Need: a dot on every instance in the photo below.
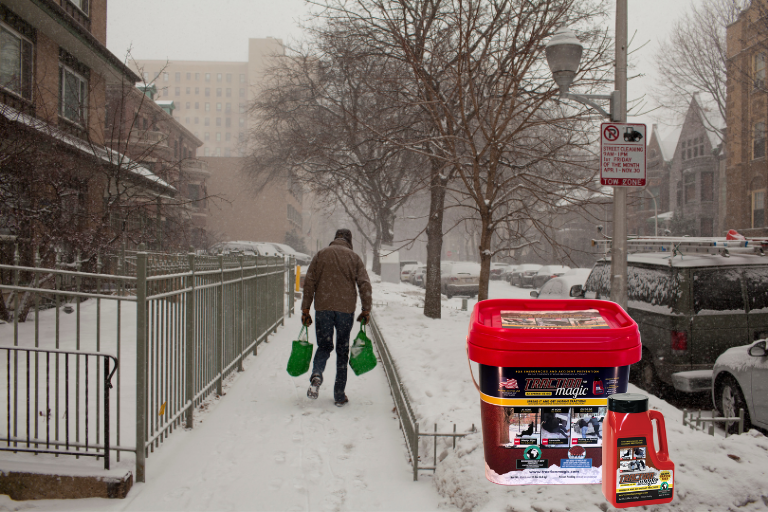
(634, 473)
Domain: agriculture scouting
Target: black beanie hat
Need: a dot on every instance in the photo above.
(345, 234)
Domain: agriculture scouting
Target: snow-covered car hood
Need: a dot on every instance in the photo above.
(737, 359)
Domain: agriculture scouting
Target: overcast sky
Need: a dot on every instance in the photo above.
(206, 30)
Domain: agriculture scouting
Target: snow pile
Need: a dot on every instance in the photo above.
(712, 473)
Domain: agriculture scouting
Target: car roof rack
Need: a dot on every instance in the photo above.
(691, 245)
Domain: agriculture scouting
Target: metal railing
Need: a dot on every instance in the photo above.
(408, 421)
(50, 384)
(196, 318)
(695, 421)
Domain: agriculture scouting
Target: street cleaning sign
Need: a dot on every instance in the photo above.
(622, 154)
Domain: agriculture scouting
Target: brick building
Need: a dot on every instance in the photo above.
(54, 71)
(147, 132)
(747, 116)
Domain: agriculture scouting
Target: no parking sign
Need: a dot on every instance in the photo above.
(622, 154)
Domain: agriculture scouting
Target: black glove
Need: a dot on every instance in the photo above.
(364, 317)
(306, 319)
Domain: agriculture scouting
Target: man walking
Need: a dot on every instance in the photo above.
(331, 279)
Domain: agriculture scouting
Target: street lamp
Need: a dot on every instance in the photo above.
(563, 53)
(655, 211)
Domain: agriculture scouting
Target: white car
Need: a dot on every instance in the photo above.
(740, 381)
(459, 278)
(405, 271)
(567, 286)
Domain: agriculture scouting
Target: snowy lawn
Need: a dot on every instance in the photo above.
(713, 473)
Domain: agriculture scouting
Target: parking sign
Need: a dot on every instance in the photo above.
(622, 154)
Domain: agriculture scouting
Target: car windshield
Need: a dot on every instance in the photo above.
(466, 268)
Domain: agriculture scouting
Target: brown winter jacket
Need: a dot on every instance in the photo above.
(331, 280)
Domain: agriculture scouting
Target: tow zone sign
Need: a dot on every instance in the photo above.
(622, 154)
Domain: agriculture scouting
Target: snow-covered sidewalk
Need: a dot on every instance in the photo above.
(265, 446)
(712, 473)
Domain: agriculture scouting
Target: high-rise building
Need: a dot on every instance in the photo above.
(212, 97)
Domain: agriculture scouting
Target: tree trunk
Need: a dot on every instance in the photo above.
(432, 302)
(376, 265)
(387, 220)
(485, 258)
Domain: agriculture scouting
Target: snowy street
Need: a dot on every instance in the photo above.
(265, 446)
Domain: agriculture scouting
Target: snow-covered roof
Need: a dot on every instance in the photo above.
(103, 153)
(164, 103)
(664, 216)
(667, 140)
(711, 119)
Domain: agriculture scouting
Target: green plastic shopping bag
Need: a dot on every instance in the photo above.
(361, 356)
(301, 354)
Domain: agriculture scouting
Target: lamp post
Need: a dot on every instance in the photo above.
(563, 56)
(655, 212)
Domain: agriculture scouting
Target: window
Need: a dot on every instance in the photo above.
(193, 192)
(229, 92)
(242, 108)
(759, 70)
(197, 120)
(690, 187)
(757, 291)
(242, 121)
(207, 91)
(189, 76)
(178, 91)
(207, 107)
(242, 79)
(598, 285)
(228, 122)
(682, 151)
(229, 77)
(145, 75)
(165, 77)
(186, 120)
(242, 93)
(228, 107)
(15, 63)
(679, 192)
(187, 105)
(197, 90)
(218, 107)
(189, 90)
(73, 96)
(218, 121)
(695, 151)
(758, 144)
(707, 187)
(178, 77)
(218, 136)
(207, 77)
(228, 136)
(227, 152)
(207, 150)
(80, 4)
(758, 208)
(218, 77)
(717, 290)
(707, 227)
(207, 121)
(197, 76)
(197, 105)
(218, 92)
(206, 136)
(654, 286)
(689, 153)
(217, 152)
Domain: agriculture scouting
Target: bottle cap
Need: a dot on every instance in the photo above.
(628, 403)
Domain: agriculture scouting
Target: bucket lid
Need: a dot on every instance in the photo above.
(628, 402)
(493, 341)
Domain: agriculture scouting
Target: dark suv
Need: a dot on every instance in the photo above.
(690, 309)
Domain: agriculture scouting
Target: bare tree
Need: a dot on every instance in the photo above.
(480, 79)
(693, 59)
(323, 121)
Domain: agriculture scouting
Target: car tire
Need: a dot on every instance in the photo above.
(729, 400)
(449, 295)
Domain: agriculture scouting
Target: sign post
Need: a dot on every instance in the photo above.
(622, 154)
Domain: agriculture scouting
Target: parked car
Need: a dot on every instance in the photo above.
(546, 273)
(459, 278)
(287, 250)
(689, 309)
(497, 269)
(408, 262)
(507, 273)
(740, 381)
(567, 286)
(526, 271)
(405, 271)
(417, 276)
(245, 248)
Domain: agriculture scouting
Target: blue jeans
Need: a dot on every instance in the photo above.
(584, 431)
(325, 322)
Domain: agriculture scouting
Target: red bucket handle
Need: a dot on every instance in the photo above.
(469, 363)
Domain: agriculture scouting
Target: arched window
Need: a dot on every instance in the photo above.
(757, 199)
(758, 141)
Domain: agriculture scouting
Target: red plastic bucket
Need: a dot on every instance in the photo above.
(546, 369)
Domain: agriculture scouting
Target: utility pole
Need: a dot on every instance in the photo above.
(619, 242)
